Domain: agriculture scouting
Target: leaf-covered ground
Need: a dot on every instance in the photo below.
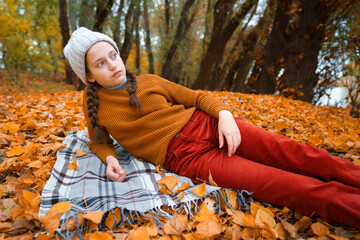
(34, 119)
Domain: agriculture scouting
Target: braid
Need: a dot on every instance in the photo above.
(92, 101)
(131, 87)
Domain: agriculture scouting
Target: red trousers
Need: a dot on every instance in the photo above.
(277, 169)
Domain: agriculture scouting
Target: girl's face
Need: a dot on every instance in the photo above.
(105, 65)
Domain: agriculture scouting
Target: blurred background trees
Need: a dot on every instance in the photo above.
(298, 48)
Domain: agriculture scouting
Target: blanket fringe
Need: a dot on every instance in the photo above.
(127, 216)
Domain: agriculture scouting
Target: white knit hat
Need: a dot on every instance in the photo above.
(81, 40)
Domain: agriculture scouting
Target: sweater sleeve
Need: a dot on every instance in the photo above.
(100, 150)
(191, 98)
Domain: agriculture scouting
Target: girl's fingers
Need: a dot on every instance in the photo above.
(221, 139)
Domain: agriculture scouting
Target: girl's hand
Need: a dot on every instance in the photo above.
(114, 171)
(228, 128)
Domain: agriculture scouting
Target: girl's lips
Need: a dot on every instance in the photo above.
(116, 74)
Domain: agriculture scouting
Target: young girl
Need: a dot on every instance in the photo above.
(193, 134)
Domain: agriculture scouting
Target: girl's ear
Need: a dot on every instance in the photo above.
(90, 77)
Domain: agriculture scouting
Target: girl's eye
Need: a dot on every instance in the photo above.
(114, 55)
(100, 64)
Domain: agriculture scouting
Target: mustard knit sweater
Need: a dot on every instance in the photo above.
(167, 107)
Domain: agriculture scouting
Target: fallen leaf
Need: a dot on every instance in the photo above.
(291, 229)
(140, 233)
(62, 207)
(51, 221)
(200, 190)
(209, 229)
(176, 225)
(320, 229)
(73, 165)
(10, 127)
(94, 217)
(79, 153)
(169, 181)
(183, 186)
(99, 236)
(211, 180)
(264, 217)
(15, 151)
(159, 170)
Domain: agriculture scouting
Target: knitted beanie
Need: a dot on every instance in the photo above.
(81, 40)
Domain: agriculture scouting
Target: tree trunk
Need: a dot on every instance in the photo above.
(116, 31)
(266, 84)
(137, 37)
(72, 14)
(64, 27)
(301, 57)
(148, 38)
(102, 11)
(129, 28)
(127, 44)
(86, 10)
(182, 28)
(218, 42)
(167, 17)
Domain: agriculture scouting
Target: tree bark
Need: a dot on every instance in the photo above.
(64, 27)
(148, 38)
(182, 28)
(167, 17)
(266, 84)
(301, 57)
(137, 37)
(86, 10)
(102, 11)
(116, 31)
(218, 41)
(127, 43)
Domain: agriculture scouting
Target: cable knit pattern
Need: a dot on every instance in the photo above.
(167, 107)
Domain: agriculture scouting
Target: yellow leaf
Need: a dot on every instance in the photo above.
(51, 221)
(209, 229)
(183, 186)
(263, 217)
(3, 190)
(95, 217)
(169, 181)
(204, 214)
(100, 236)
(15, 151)
(159, 170)
(63, 207)
(211, 180)
(289, 228)
(164, 189)
(109, 222)
(10, 127)
(232, 198)
(73, 165)
(5, 226)
(28, 196)
(320, 229)
(181, 196)
(140, 233)
(79, 153)
(315, 140)
(280, 231)
(200, 191)
(176, 225)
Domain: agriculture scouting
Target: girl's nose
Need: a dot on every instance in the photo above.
(111, 65)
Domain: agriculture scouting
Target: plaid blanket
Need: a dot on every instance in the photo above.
(88, 189)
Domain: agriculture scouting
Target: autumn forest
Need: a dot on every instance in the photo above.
(271, 61)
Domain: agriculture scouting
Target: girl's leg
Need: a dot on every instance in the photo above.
(281, 152)
(332, 201)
